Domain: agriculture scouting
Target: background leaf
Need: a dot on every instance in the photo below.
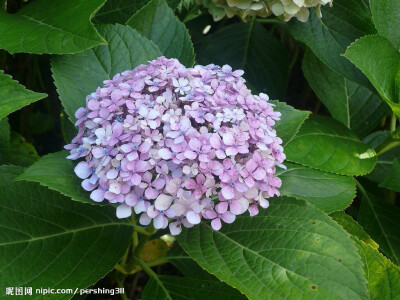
(355, 106)
(253, 49)
(290, 250)
(57, 173)
(384, 162)
(379, 219)
(189, 288)
(325, 144)
(76, 76)
(392, 181)
(4, 139)
(386, 15)
(329, 36)
(157, 22)
(20, 152)
(379, 60)
(49, 240)
(45, 26)
(329, 192)
(14, 96)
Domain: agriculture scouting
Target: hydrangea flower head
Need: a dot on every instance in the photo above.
(177, 145)
(284, 9)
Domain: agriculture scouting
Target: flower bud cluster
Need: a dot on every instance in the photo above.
(178, 144)
(284, 9)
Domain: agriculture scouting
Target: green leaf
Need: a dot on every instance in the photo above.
(325, 144)
(392, 181)
(355, 106)
(352, 227)
(380, 221)
(386, 15)
(329, 192)
(4, 139)
(290, 250)
(49, 240)
(186, 265)
(57, 173)
(76, 76)
(157, 22)
(118, 11)
(382, 275)
(51, 26)
(20, 152)
(379, 60)
(290, 121)
(189, 288)
(14, 96)
(384, 163)
(329, 36)
(253, 49)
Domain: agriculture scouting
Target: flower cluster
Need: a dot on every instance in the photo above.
(178, 143)
(284, 9)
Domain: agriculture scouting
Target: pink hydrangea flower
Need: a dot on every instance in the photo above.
(177, 145)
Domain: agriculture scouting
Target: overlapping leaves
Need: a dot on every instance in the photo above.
(48, 240)
(45, 26)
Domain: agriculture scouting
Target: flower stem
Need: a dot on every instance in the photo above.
(152, 274)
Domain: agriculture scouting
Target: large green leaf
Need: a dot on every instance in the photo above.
(157, 22)
(76, 76)
(188, 288)
(384, 163)
(386, 15)
(352, 227)
(325, 144)
(290, 121)
(50, 26)
(49, 240)
(382, 275)
(253, 49)
(355, 106)
(392, 181)
(329, 192)
(14, 96)
(380, 221)
(329, 36)
(118, 11)
(289, 251)
(379, 60)
(57, 173)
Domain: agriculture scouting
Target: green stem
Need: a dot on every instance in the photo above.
(152, 274)
(120, 283)
(393, 122)
(391, 142)
(147, 233)
(142, 230)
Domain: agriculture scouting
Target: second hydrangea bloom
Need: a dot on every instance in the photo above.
(285, 9)
(178, 143)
